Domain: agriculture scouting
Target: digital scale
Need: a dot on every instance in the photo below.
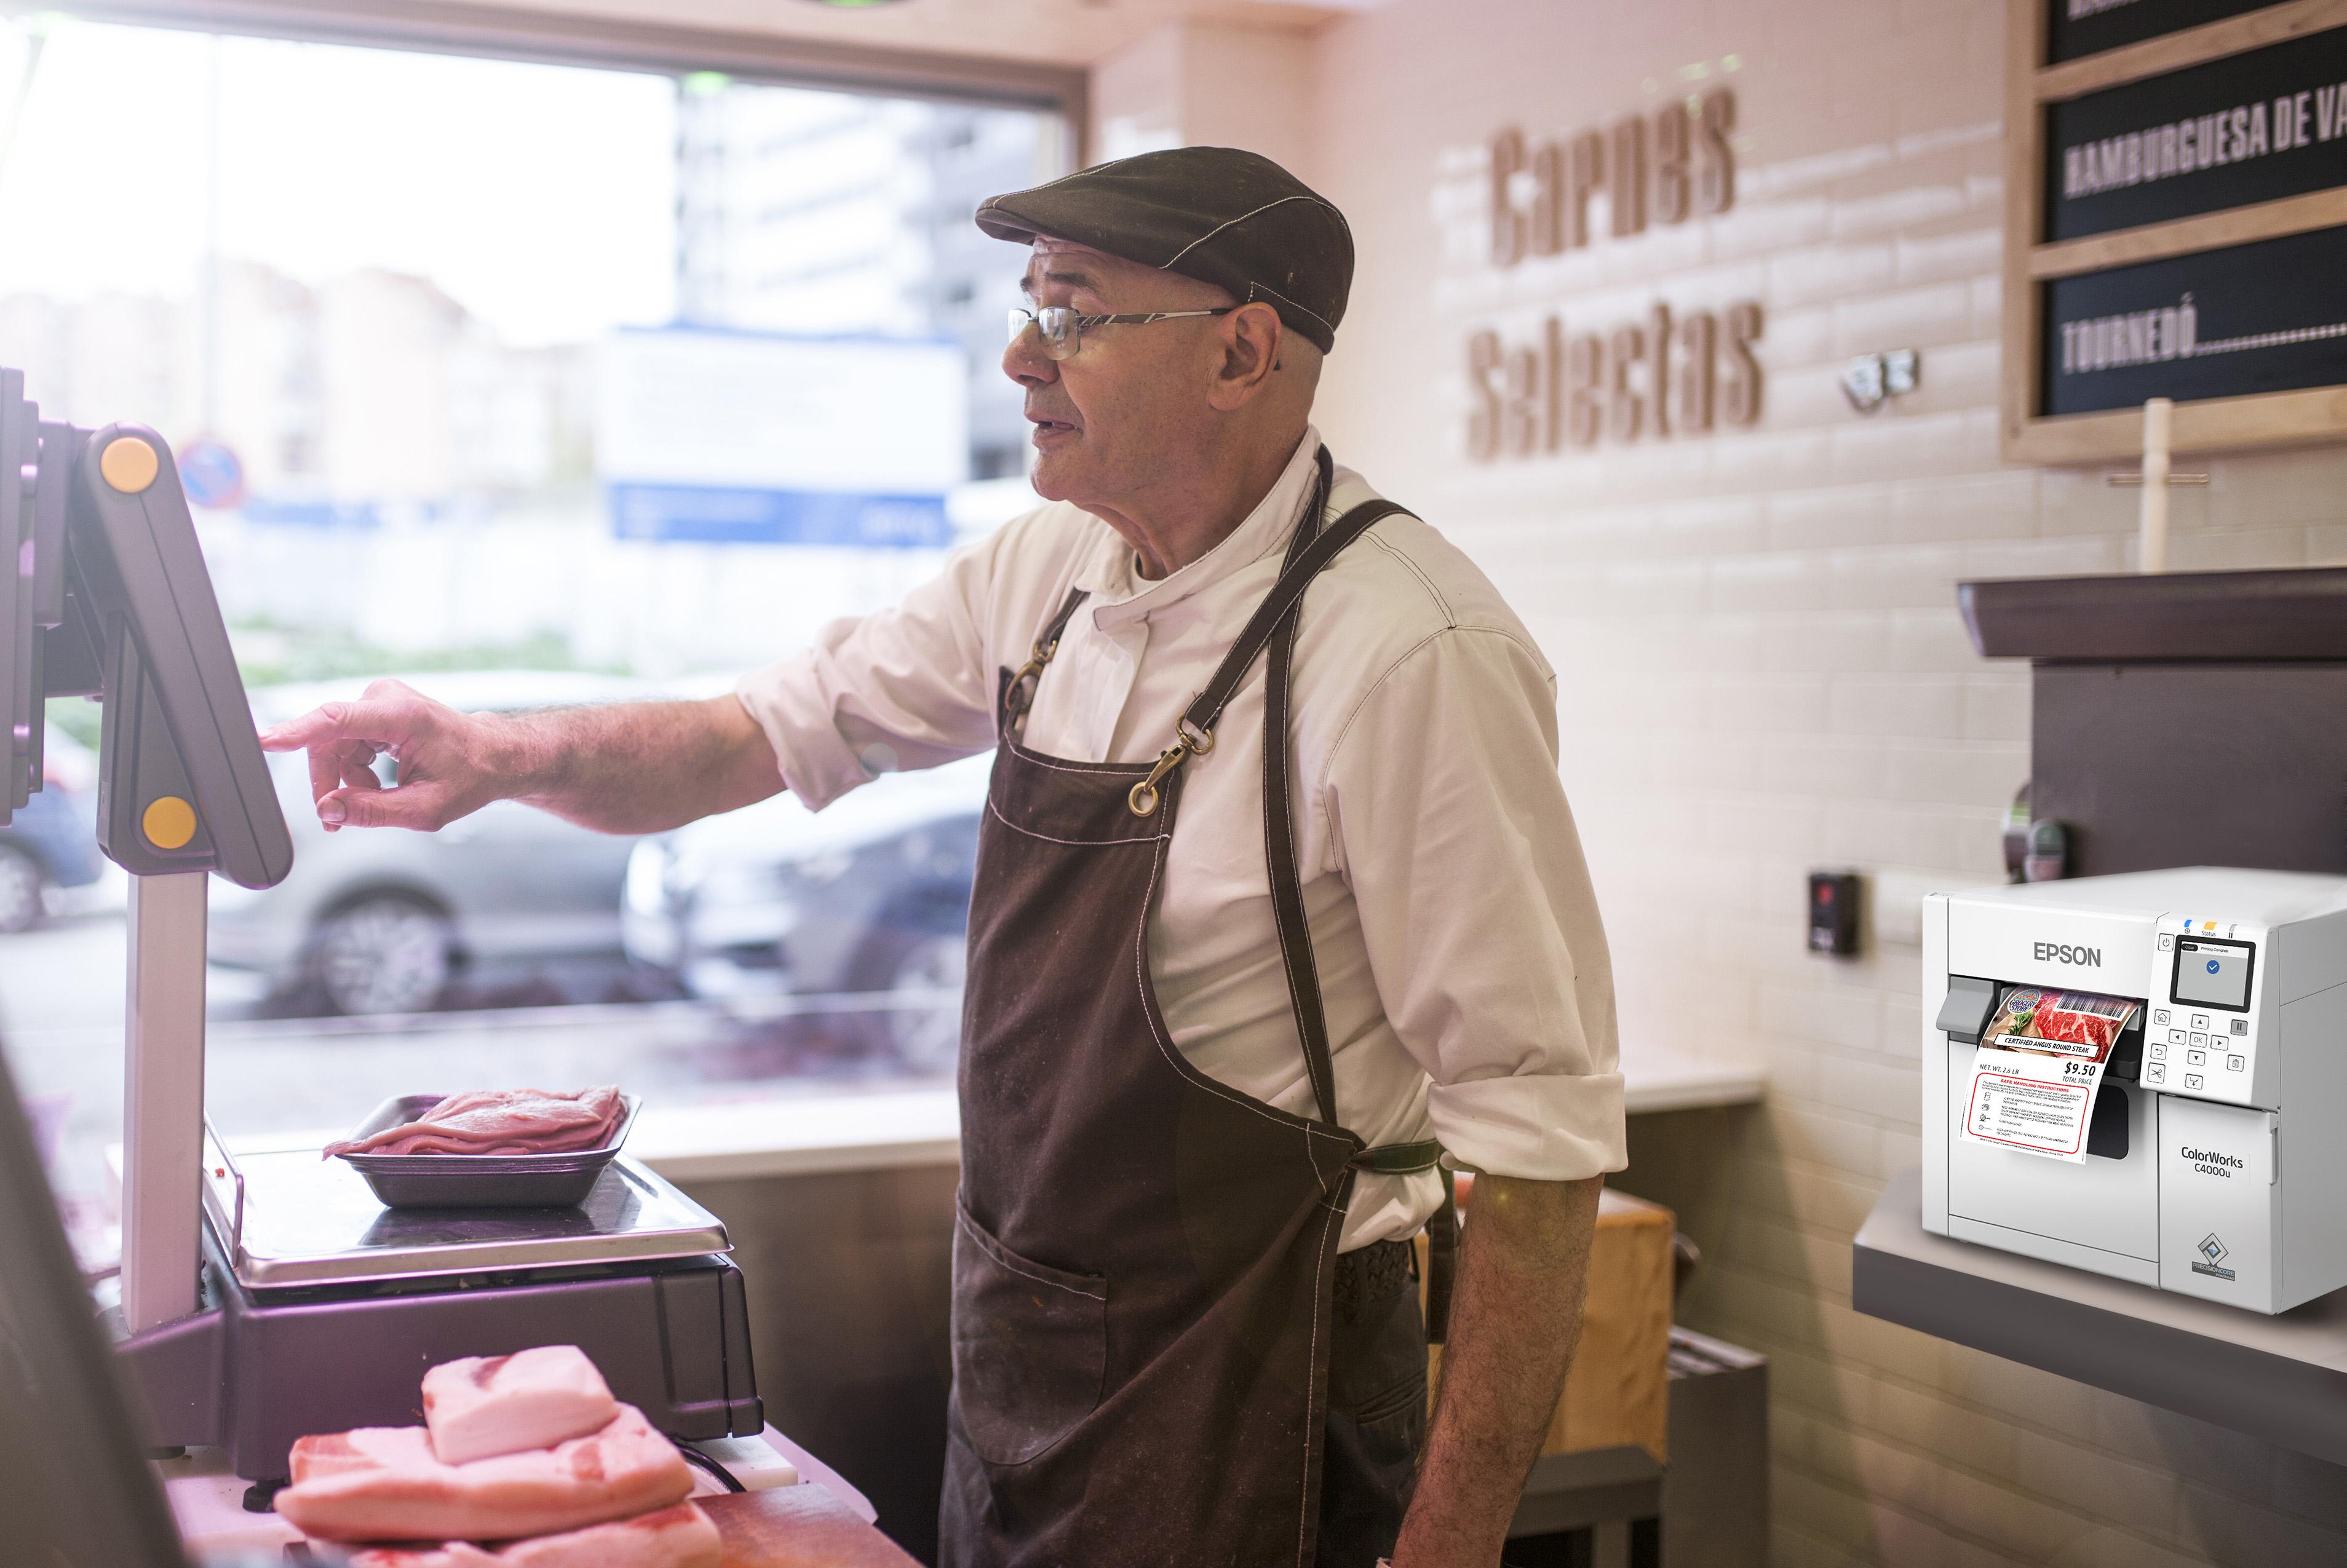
(270, 1295)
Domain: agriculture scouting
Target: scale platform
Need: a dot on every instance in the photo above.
(287, 1219)
(321, 1309)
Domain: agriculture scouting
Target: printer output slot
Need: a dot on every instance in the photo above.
(2107, 1133)
(1971, 1003)
(1972, 1008)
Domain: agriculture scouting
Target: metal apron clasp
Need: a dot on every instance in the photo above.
(1189, 741)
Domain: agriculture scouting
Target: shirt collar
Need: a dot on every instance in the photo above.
(1120, 595)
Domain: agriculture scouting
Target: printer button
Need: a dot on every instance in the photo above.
(2236, 1062)
(2201, 1040)
(2199, 1020)
(2240, 1026)
(2155, 1074)
(2191, 1081)
(2176, 1037)
(2160, 1053)
(2166, 942)
(2159, 1017)
(2196, 1057)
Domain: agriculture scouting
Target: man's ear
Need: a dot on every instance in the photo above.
(1250, 341)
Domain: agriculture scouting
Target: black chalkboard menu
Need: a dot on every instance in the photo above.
(2266, 317)
(2248, 127)
(2181, 231)
(2077, 27)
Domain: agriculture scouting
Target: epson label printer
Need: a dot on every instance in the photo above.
(2216, 1157)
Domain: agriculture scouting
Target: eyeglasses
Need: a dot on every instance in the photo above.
(1062, 330)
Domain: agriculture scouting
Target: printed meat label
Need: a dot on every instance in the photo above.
(2039, 1068)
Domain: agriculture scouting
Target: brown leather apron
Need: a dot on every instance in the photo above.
(1144, 1257)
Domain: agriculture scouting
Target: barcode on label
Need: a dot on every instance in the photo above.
(2087, 1002)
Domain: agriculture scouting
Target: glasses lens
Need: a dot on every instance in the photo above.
(1062, 335)
(1020, 319)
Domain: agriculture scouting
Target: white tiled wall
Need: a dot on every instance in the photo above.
(1763, 672)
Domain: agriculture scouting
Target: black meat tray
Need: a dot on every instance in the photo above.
(480, 1180)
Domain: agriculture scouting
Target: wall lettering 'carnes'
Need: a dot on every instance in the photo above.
(1664, 376)
(1666, 373)
(1664, 168)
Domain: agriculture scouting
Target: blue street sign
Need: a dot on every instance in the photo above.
(357, 517)
(212, 474)
(711, 514)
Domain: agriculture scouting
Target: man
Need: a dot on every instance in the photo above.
(1212, 1028)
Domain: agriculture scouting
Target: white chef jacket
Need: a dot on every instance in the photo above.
(1462, 964)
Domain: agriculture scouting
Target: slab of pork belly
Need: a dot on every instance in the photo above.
(483, 1406)
(384, 1484)
(678, 1537)
(500, 1122)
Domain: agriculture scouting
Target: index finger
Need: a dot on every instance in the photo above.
(384, 723)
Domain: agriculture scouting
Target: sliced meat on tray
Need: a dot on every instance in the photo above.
(501, 1122)
(483, 1406)
(384, 1484)
(678, 1537)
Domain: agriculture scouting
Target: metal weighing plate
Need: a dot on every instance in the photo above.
(289, 1218)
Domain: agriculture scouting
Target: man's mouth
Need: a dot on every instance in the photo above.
(1044, 427)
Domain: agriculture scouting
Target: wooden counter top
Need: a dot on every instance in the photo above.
(798, 1527)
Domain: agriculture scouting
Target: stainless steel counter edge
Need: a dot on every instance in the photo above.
(2283, 1378)
(902, 1128)
(905, 1128)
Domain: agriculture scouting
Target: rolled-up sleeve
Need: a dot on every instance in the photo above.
(1449, 822)
(905, 688)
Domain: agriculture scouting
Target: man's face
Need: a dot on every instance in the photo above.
(1130, 409)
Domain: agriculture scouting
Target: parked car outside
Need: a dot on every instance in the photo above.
(869, 896)
(50, 842)
(380, 920)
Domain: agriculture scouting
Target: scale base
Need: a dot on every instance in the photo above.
(251, 1371)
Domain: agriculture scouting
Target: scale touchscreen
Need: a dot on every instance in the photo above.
(2216, 974)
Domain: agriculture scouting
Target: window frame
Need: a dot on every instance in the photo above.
(451, 27)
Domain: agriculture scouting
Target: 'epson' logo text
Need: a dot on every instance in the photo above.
(2063, 953)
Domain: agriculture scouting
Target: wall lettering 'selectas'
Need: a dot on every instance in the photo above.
(1666, 375)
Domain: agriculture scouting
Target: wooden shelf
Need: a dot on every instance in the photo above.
(2283, 1378)
(2172, 618)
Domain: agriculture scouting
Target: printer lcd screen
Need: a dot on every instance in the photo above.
(2213, 974)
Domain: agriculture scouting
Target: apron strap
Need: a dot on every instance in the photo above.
(1311, 549)
(1400, 1159)
(1020, 695)
(1442, 1261)
(1441, 1228)
(1274, 624)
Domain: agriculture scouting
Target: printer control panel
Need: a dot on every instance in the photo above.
(2200, 1029)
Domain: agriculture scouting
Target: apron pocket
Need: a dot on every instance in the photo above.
(1030, 1346)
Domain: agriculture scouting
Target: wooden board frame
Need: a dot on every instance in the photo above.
(2216, 423)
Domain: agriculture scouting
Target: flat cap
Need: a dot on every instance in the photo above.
(1227, 217)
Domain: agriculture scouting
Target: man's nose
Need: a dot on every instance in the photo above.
(1025, 362)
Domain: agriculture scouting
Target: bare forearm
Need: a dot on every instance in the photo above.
(635, 767)
(631, 767)
(1515, 1317)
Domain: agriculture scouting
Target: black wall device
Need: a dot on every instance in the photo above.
(1833, 913)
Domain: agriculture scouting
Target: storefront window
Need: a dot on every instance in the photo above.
(530, 385)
